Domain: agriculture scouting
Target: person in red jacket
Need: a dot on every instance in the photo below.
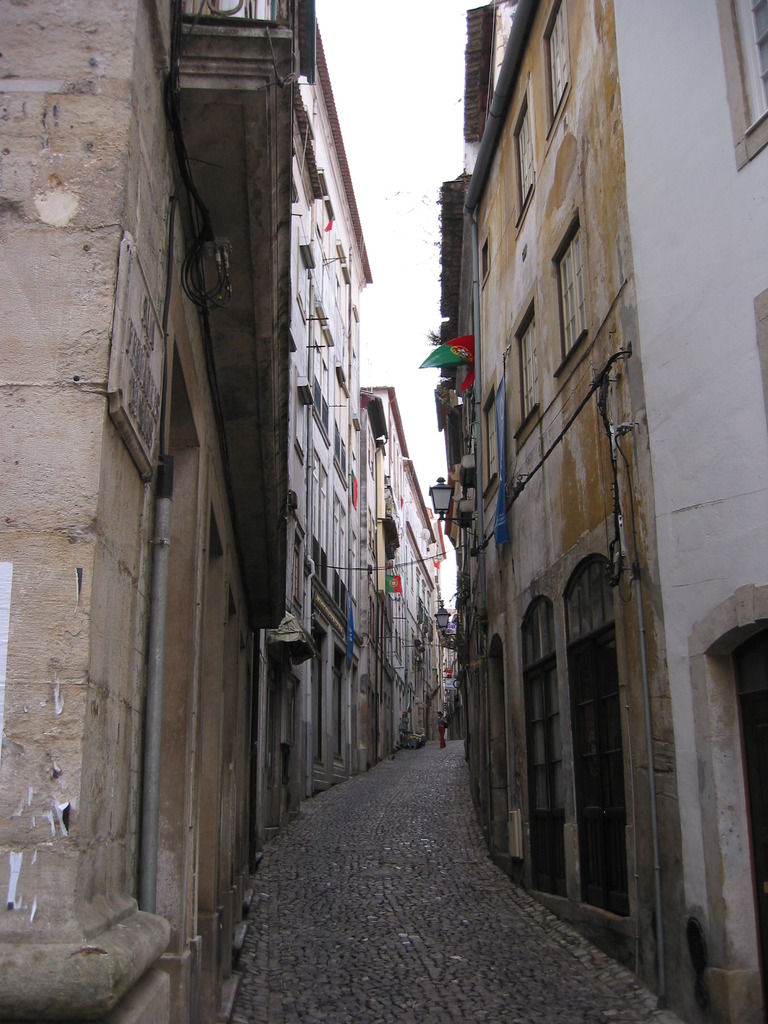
(441, 726)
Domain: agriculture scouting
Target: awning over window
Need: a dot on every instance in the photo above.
(298, 640)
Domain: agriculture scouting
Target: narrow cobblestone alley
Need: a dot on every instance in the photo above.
(380, 904)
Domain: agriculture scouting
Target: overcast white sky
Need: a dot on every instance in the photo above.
(398, 82)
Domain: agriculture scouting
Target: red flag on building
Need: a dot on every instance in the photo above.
(354, 490)
(329, 225)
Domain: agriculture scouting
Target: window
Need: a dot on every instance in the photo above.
(317, 704)
(485, 260)
(753, 17)
(321, 394)
(336, 552)
(491, 453)
(322, 523)
(744, 37)
(558, 59)
(354, 555)
(524, 156)
(545, 749)
(572, 293)
(343, 553)
(598, 753)
(338, 706)
(339, 451)
(529, 369)
(297, 573)
(290, 710)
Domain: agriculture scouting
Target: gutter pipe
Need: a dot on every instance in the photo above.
(521, 25)
(661, 998)
(153, 716)
(153, 727)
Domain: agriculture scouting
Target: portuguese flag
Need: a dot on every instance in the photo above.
(458, 352)
(393, 584)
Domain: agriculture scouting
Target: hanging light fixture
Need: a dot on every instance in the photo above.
(440, 495)
(442, 615)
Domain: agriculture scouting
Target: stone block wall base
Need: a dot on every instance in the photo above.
(179, 970)
(736, 997)
(83, 980)
(209, 926)
(225, 933)
(148, 1002)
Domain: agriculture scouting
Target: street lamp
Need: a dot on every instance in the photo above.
(442, 615)
(441, 494)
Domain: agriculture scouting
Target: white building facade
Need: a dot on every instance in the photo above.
(697, 168)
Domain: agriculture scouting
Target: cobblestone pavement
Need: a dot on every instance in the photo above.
(380, 904)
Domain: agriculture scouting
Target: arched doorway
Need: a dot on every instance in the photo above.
(546, 784)
(497, 748)
(751, 663)
(598, 751)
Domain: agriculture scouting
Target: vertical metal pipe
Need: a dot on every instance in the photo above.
(484, 709)
(153, 727)
(153, 712)
(478, 409)
(660, 956)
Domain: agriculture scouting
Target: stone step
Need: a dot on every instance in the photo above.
(228, 994)
(238, 938)
(247, 901)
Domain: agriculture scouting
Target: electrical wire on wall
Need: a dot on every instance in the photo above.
(205, 296)
(617, 546)
(205, 268)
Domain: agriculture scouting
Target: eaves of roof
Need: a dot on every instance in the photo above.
(338, 141)
(518, 38)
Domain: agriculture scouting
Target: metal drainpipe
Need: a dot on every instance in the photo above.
(153, 729)
(153, 715)
(662, 994)
(307, 588)
(478, 408)
(479, 493)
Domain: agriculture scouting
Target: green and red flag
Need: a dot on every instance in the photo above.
(457, 352)
(393, 584)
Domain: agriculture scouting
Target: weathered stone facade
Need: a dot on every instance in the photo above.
(610, 708)
(97, 224)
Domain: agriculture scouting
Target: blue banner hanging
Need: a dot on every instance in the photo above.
(350, 630)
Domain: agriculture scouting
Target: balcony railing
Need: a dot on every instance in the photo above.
(250, 10)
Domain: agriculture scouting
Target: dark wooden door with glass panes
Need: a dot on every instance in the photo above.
(545, 750)
(752, 676)
(599, 760)
(598, 749)
(546, 782)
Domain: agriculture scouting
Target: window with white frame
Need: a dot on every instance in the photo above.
(524, 155)
(322, 507)
(343, 553)
(491, 454)
(744, 37)
(336, 552)
(753, 17)
(570, 274)
(354, 559)
(529, 368)
(298, 578)
(557, 47)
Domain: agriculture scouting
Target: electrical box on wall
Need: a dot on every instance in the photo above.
(515, 833)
